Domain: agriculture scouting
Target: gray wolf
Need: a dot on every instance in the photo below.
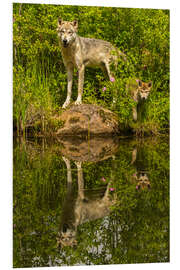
(79, 52)
(139, 92)
(78, 208)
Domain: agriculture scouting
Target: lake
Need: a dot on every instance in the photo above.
(90, 202)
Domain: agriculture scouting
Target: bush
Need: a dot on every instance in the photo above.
(40, 75)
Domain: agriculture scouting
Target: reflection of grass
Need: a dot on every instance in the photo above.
(145, 128)
(139, 219)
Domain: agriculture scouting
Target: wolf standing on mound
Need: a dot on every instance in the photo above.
(80, 52)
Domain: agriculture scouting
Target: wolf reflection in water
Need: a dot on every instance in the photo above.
(78, 208)
(62, 184)
(82, 209)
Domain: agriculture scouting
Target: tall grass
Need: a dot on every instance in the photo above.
(33, 101)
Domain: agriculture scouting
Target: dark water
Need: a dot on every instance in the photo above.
(103, 201)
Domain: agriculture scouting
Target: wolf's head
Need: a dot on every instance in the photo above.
(67, 236)
(143, 181)
(67, 32)
(144, 89)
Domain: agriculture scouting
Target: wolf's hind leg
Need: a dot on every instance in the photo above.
(108, 70)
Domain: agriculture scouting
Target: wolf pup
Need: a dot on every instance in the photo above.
(139, 92)
(80, 52)
(142, 180)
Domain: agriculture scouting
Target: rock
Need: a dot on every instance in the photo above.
(93, 150)
(88, 119)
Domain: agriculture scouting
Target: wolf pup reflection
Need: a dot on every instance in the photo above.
(79, 52)
(139, 177)
(139, 91)
(142, 180)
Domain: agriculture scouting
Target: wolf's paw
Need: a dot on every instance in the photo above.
(66, 103)
(65, 159)
(78, 164)
(78, 102)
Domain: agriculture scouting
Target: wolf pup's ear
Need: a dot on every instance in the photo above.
(149, 84)
(140, 83)
(59, 21)
(75, 24)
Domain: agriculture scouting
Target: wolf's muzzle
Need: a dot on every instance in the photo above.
(65, 43)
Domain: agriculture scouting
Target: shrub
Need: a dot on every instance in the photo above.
(39, 72)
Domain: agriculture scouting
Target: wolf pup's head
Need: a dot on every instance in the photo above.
(67, 32)
(144, 89)
(143, 181)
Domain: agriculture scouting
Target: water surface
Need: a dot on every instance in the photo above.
(102, 201)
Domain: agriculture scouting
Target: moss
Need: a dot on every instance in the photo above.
(73, 149)
(74, 120)
(55, 124)
(102, 115)
(105, 115)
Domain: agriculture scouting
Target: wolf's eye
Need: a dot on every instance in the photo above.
(70, 32)
(62, 31)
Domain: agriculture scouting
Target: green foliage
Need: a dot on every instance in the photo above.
(40, 77)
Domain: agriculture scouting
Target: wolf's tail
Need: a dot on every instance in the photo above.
(122, 55)
(118, 55)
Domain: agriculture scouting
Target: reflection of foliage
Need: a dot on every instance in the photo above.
(40, 76)
(137, 229)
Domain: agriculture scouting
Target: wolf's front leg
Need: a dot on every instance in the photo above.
(80, 180)
(134, 155)
(68, 166)
(80, 85)
(134, 113)
(69, 86)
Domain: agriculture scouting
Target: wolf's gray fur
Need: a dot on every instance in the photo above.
(80, 52)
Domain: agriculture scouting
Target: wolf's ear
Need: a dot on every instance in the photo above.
(149, 84)
(140, 83)
(75, 24)
(59, 21)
